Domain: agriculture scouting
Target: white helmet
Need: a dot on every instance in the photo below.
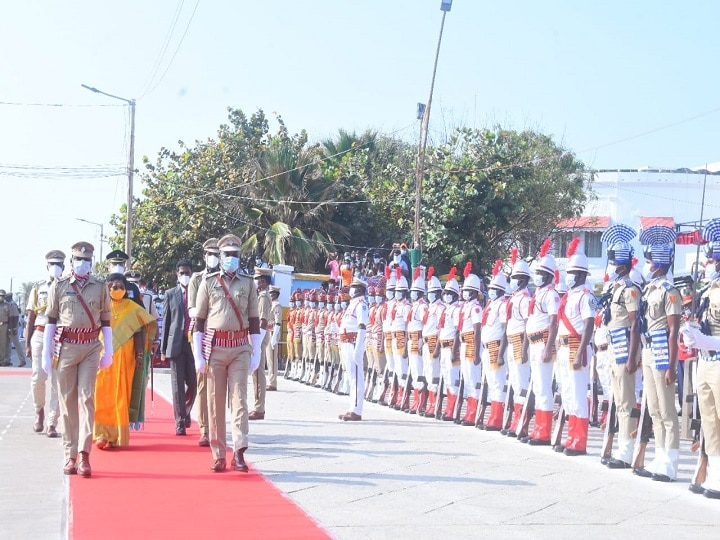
(520, 268)
(499, 280)
(471, 282)
(401, 284)
(578, 261)
(546, 263)
(452, 284)
(418, 283)
(390, 279)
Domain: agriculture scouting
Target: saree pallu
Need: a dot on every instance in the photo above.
(120, 388)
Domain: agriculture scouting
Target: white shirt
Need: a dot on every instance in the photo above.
(430, 328)
(547, 301)
(387, 320)
(418, 309)
(355, 315)
(470, 315)
(579, 307)
(398, 315)
(448, 320)
(519, 311)
(494, 327)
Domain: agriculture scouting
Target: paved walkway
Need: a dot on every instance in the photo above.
(390, 476)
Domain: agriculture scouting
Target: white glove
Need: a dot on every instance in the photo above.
(200, 362)
(275, 339)
(48, 344)
(107, 358)
(695, 339)
(359, 348)
(192, 312)
(256, 340)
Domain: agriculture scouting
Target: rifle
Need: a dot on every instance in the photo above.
(526, 412)
(556, 438)
(372, 381)
(482, 406)
(609, 431)
(509, 405)
(405, 402)
(437, 413)
(595, 391)
(642, 437)
(458, 403)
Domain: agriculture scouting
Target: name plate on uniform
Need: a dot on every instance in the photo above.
(660, 349)
(620, 344)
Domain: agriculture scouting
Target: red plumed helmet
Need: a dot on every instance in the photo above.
(467, 270)
(606, 278)
(513, 255)
(387, 272)
(398, 272)
(545, 247)
(557, 277)
(572, 248)
(496, 267)
(430, 273)
(416, 274)
(452, 273)
(634, 262)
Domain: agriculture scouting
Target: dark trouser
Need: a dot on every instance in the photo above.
(184, 382)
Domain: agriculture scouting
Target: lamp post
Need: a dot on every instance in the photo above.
(445, 6)
(11, 283)
(102, 233)
(131, 171)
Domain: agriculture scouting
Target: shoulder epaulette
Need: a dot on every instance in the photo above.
(64, 278)
(629, 282)
(212, 274)
(668, 286)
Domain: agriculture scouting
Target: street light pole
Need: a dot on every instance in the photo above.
(445, 6)
(131, 171)
(102, 233)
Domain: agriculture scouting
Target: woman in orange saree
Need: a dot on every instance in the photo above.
(120, 389)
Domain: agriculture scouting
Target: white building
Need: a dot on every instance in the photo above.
(640, 198)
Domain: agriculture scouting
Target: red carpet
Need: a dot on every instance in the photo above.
(161, 486)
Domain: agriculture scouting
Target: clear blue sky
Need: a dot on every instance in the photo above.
(589, 73)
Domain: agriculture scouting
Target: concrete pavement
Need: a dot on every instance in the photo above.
(390, 476)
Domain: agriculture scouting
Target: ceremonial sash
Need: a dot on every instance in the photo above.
(468, 338)
(493, 348)
(414, 342)
(516, 342)
(573, 343)
(431, 342)
(400, 344)
(660, 348)
(619, 337)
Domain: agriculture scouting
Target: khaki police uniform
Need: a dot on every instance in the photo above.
(13, 337)
(258, 376)
(79, 355)
(625, 300)
(229, 358)
(4, 325)
(37, 303)
(210, 247)
(275, 319)
(663, 299)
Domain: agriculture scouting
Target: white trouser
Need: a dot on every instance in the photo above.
(518, 375)
(542, 377)
(603, 360)
(416, 367)
(472, 374)
(496, 378)
(355, 377)
(38, 383)
(431, 368)
(450, 373)
(575, 387)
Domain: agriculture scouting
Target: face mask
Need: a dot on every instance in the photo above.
(230, 264)
(514, 285)
(396, 259)
(613, 276)
(379, 299)
(81, 268)
(321, 305)
(570, 280)
(399, 295)
(466, 295)
(184, 280)
(117, 294)
(648, 272)
(54, 271)
(371, 299)
(313, 305)
(538, 280)
(376, 260)
(403, 251)
(337, 307)
(212, 261)
(292, 304)
(413, 295)
(493, 294)
(117, 268)
(343, 305)
(353, 291)
(432, 297)
(448, 298)
(390, 295)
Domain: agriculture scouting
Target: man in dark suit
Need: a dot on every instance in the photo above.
(175, 347)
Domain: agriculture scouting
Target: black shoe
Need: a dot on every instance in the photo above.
(180, 429)
(697, 489)
(571, 452)
(643, 472)
(618, 464)
(238, 461)
(605, 460)
(524, 440)
(188, 421)
(712, 493)
(662, 478)
(538, 442)
(558, 448)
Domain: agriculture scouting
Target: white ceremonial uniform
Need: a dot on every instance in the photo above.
(387, 335)
(415, 322)
(448, 321)
(494, 320)
(518, 372)
(398, 326)
(355, 316)
(470, 315)
(542, 306)
(430, 331)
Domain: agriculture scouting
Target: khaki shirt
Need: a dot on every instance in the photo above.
(275, 315)
(14, 311)
(37, 301)
(212, 304)
(4, 312)
(661, 302)
(264, 306)
(192, 289)
(63, 303)
(625, 300)
(712, 313)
